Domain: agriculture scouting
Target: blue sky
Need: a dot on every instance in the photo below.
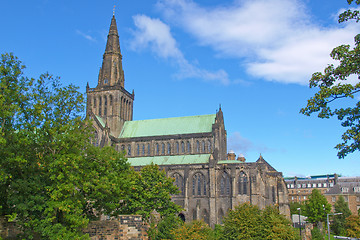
(185, 57)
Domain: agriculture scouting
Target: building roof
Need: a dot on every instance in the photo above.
(339, 188)
(168, 126)
(170, 160)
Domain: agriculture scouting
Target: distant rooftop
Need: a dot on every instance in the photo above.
(315, 177)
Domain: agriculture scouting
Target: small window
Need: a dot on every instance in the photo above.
(137, 149)
(177, 147)
(344, 189)
(168, 148)
(319, 185)
(314, 185)
(298, 185)
(331, 184)
(209, 146)
(291, 185)
(129, 150)
(303, 185)
(182, 147)
(163, 149)
(188, 147)
(106, 81)
(346, 198)
(333, 199)
(197, 146)
(324, 184)
(358, 199)
(309, 185)
(157, 149)
(356, 189)
(148, 149)
(143, 149)
(203, 146)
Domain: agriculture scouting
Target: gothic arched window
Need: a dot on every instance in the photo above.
(163, 149)
(177, 147)
(225, 184)
(243, 183)
(188, 147)
(199, 185)
(148, 149)
(182, 147)
(100, 106)
(122, 148)
(202, 146)
(197, 146)
(143, 150)
(129, 150)
(179, 182)
(138, 149)
(157, 149)
(209, 146)
(105, 105)
(168, 148)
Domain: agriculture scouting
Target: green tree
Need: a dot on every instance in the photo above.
(51, 178)
(334, 84)
(151, 190)
(164, 229)
(353, 226)
(338, 225)
(276, 225)
(294, 206)
(195, 230)
(316, 207)
(244, 222)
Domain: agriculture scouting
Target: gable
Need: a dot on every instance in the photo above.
(168, 126)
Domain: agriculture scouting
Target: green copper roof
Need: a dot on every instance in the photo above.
(228, 161)
(168, 126)
(100, 120)
(170, 160)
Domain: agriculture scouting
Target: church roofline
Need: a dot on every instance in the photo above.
(168, 126)
(170, 160)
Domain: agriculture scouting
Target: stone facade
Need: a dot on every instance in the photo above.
(192, 150)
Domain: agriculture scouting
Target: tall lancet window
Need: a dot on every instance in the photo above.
(100, 106)
(105, 105)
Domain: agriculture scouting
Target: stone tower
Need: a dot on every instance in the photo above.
(109, 102)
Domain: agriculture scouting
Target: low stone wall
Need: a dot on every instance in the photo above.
(127, 227)
(124, 227)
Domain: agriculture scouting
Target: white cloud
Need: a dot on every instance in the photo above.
(86, 36)
(241, 145)
(154, 34)
(278, 38)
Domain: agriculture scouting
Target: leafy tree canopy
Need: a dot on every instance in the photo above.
(247, 221)
(334, 84)
(51, 178)
(353, 226)
(151, 190)
(338, 225)
(195, 230)
(316, 207)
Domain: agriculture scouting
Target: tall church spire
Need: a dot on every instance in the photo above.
(111, 73)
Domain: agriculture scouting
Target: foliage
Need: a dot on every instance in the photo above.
(338, 225)
(277, 226)
(316, 234)
(247, 221)
(294, 207)
(353, 226)
(316, 207)
(51, 178)
(195, 230)
(165, 227)
(151, 190)
(334, 84)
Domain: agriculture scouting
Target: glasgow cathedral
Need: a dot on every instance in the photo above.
(192, 150)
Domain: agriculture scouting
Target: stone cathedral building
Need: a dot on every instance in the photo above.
(192, 150)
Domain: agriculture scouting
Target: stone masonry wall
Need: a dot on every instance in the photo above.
(124, 227)
(127, 227)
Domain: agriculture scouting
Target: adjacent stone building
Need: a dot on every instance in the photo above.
(192, 150)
